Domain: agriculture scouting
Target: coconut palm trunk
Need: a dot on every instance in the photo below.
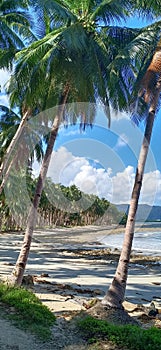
(152, 83)
(18, 271)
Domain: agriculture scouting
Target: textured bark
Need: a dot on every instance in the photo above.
(116, 292)
(18, 271)
(3, 172)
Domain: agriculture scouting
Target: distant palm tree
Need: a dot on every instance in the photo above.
(30, 146)
(148, 98)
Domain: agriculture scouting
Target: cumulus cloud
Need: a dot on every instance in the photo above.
(67, 169)
(64, 166)
(151, 191)
(91, 180)
(122, 185)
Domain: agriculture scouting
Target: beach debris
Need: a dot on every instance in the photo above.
(28, 280)
(90, 303)
(144, 318)
(40, 280)
(8, 264)
(64, 289)
(153, 310)
(153, 313)
(130, 307)
(44, 275)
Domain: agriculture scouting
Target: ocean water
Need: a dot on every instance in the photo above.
(144, 242)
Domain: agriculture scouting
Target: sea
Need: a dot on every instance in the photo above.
(146, 241)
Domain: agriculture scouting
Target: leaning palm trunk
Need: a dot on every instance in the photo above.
(116, 292)
(7, 162)
(18, 271)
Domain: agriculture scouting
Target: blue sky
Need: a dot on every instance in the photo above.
(102, 160)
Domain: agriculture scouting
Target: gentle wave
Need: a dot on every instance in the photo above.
(149, 242)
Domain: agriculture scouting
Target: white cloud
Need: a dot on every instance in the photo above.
(64, 166)
(151, 188)
(92, 180)
(4, 76)
(122, 141)
(122, 185)
(4, 100)
(119, 115)
(68, 169)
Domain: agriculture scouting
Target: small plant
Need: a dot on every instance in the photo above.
(29, 312)
(131, 337)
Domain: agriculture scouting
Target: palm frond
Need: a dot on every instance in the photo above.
(98, 63)
(130, 64)
(146, 8)
(15, 25)
(147, 73)
(8, 38)
(111, 10)
(11, 5)
(56, 9)
(6, 58)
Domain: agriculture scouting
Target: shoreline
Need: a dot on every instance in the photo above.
(70, 266)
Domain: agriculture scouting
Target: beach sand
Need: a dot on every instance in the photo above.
(70, 267)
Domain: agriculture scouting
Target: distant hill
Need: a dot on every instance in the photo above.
(145, 212)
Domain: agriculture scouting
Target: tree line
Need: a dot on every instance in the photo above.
(61, 208)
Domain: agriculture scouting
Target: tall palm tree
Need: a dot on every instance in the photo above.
(148, 97)
(69, 64)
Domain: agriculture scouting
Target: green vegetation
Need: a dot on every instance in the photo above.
(127, 336)
(29, 313)
(59, 205)
(123, 219)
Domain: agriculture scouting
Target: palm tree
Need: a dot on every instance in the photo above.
(69, 64)
(148, 96)
(30, 146)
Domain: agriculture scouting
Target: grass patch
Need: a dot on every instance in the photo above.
(131, 337)
(29, 312)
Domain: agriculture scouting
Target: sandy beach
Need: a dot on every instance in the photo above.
(70, 266)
